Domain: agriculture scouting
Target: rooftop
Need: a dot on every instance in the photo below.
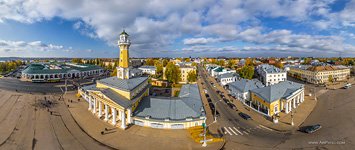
(270, 68)
(227, 75)
(123, 84)
(277, 91)
(319, 68)
(147, 67)
(244, 85)
(51, 68)
(187, 104)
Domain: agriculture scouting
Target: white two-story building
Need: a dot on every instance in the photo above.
(269, 74)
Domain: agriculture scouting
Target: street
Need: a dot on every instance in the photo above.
(333, 111)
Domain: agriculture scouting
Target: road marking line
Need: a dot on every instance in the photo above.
(232, 130)
(265, 127)
(245, 132)
(227, 131)
(238, 131)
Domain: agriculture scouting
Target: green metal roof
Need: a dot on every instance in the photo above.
(123, 32)
(44, 68)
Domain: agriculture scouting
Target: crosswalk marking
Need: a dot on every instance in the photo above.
(265, 127)
(227, 131)
(238, 131)
(232, 130)
(245, 132)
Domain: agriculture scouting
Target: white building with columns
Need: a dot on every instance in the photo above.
(122, 100)
(282, 97)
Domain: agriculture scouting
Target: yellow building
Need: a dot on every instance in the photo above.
(281, 97)
(319, 74)
(184, 71)
(116, 99)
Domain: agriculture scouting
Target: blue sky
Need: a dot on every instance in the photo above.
(159, 28)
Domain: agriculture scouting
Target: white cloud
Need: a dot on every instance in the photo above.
(156, 24)
(28, 46)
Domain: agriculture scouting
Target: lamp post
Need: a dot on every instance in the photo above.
(204, 144)
(215, 110)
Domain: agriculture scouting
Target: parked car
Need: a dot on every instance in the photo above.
(346, 86)
(311, 129)
(232, 106)
(207, 95)
(244, 116)
(226, 100)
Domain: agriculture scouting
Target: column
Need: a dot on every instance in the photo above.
(90, 103)
(286, 107)
(123, 119)
(114, 114)
(129, 118)
(100, 109)
(106, 112)
(289, 105)
(302, 97)
(119, 115)
(94, 110)
(294, 102)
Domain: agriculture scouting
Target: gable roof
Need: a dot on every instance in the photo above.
(244, 85)
(123, 84)
(277, 91)
(187, 104)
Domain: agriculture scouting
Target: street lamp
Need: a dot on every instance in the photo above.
(215, 110)
(204, 144)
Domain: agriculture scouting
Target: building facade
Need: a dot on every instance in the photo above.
(226, 78)
(51, 72)
(269, 74)
(276, 98)
(319, 74)
(124, 99)
(148, 69)
(240, 88)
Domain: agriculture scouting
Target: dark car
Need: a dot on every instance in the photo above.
(232, 106)
(225, 100)
(207, 95)
(244, 116)
(311, 129)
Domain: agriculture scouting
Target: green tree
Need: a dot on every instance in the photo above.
(221, 62)
(159, 68)
(246, 72)
(231, 63)
(77, 60)
(172, 73)
(279, 64)
(191, 76)
(330, 78)
(149, 62)
(165, 62)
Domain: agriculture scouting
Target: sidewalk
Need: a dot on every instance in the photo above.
(284, 125)
(134, 137)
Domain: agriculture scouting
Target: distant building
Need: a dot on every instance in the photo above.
(319, 74)
(151, 70)
(220, 70)
(184, 70)
(227, 78)
(52, 72)
(269, 74)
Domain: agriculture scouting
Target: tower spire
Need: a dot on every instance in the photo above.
(124, 43)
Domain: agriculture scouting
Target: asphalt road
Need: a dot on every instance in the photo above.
(13, 84)
(334, 111)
